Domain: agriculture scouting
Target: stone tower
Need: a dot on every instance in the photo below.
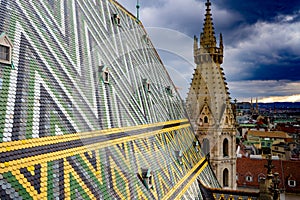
(208, 104)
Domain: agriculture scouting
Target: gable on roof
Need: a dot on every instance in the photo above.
(5, 49)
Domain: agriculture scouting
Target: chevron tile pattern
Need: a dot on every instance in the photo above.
(87, 106)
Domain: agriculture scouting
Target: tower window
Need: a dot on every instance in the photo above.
(205, 119)
(225, 148)
(205, 146)
(225, 178)
(5, 49)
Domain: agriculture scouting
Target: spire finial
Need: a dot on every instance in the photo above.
(208, 4)
(208, 40)
(138, 10)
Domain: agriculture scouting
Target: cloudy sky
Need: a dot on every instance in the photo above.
(261, 38)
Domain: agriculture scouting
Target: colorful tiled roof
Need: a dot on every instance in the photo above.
(87, 109)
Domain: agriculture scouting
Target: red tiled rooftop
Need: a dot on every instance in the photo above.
(255, 168)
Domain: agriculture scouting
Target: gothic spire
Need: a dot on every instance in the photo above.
(208, 38)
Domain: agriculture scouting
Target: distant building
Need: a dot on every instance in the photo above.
(243, 108)
(273, 135)
(209, 107)
(281, 150)
(265, 142)
(289, 126)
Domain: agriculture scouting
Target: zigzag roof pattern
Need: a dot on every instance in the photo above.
(88, 110)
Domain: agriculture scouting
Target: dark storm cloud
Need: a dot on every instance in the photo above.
(251, 12)
(260, 10)
(278, 71)
(271, 51)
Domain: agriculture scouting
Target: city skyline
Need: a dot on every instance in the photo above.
(262, 48)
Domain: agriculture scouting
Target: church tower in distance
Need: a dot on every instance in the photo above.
(208, 105)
